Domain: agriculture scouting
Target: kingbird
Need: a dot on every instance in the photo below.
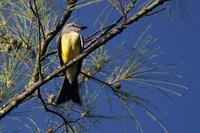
(70, 45)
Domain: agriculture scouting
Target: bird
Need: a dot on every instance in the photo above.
(70, 45)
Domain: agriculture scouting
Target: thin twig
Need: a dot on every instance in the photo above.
(35, 12)
(107, 27)
(48, 54)
(38, 67)
(116, 92)
(59, 127)
(66, 123)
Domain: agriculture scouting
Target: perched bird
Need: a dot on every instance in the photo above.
(70, 45)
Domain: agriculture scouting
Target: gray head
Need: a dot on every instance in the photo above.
(72, 27)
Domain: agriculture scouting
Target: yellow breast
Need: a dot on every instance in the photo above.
(71, 46)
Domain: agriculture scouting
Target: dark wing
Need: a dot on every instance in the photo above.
(59, 49)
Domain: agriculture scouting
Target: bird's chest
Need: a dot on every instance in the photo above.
(70, 45)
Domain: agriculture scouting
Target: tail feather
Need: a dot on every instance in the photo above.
(62, 97)
(69, 92)
(75, 96)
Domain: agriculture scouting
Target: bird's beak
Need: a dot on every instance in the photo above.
(83, 27)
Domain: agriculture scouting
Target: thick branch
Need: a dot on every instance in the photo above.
(20, 97)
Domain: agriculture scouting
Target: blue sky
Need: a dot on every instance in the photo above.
(181, 44)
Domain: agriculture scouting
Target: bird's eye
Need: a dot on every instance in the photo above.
(73, 25)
